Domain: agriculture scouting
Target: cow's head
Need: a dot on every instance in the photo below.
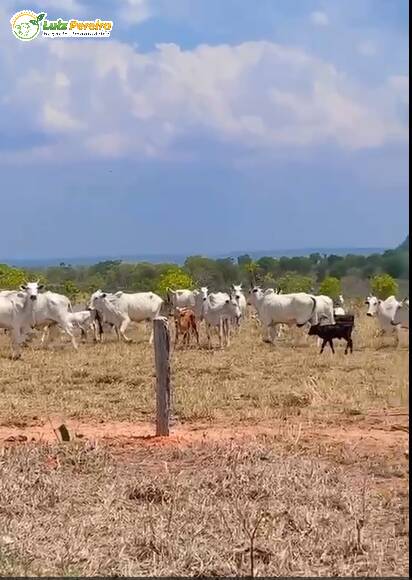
(372, 303)
(233, 306)
(203, 291)
(93, 299)
(254, 294)
(31, 289)
(237, 291)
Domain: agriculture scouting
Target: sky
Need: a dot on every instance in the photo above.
(205, 126)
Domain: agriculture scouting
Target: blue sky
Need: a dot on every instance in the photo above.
(205, 126)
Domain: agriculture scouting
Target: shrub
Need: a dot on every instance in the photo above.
(331, 287)
(384, 286)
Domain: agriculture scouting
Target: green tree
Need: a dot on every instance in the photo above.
(384, 286)
(175, 278)
(292, 282)
(70, 289)
(331, 287)
(11, 278)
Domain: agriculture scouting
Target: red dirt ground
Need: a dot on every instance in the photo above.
(375, 433)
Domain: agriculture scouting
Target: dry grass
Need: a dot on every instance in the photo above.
(323, 491)
(248, 381)
(77, 510)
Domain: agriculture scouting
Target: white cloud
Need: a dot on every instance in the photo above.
(108, 100)
(319, 18)
(133, 11)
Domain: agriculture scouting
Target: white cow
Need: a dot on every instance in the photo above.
(83, 319)
(384, 310)
(120, 309)
(219, 308)
(192, 299)
(274, 309)
(51, 309)
(237, 293)
(16, 315)
(401, 315)
(339, 306)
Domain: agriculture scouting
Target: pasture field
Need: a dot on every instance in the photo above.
(281, 461)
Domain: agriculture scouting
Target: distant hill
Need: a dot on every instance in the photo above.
(404, 245)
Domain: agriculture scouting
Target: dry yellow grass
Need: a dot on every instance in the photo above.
(308, 449)
(249, 380)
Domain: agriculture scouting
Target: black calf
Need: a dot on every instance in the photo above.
(341, 330)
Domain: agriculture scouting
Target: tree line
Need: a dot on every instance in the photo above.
(290, 274)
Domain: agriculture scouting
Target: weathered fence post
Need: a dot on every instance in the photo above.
(162, 362)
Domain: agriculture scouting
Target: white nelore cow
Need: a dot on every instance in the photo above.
(51, 310)
(237, 294)
(16, 315)
(192, 299)
(84, 319)
(401, 315)
(384, 310)
(300, 308)
(120, 309)
(218, 310)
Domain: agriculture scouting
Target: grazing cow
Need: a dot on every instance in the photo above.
(16, 315)
(384, 310)
(238, 295)
(401, 316)
(185, 324)
(274, 309)
(192, 299)
(342, 329)
(219, 309)
(120, 309)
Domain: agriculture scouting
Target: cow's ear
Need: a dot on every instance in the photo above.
(103, 295)
(41, 287)
(118, 294)
(23, 287)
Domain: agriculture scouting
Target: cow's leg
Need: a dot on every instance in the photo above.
(123, 328)
(68, 329)
(350, 344)
(220, 333)
(324, 343)
(45, 336)
(330, 341)
(273, 333)
(209, 339)
(16, 340)
(397, 336)
(226, 332)
(83, 334)
(196, 333)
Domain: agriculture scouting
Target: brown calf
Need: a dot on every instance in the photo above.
(185, 323)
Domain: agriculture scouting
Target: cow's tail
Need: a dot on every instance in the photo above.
(311, 314)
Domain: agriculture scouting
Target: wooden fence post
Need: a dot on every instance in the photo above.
(162, 362)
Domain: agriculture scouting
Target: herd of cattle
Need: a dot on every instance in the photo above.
(29, 308)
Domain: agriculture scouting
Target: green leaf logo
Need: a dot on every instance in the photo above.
(41, 16)
(33, 21)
